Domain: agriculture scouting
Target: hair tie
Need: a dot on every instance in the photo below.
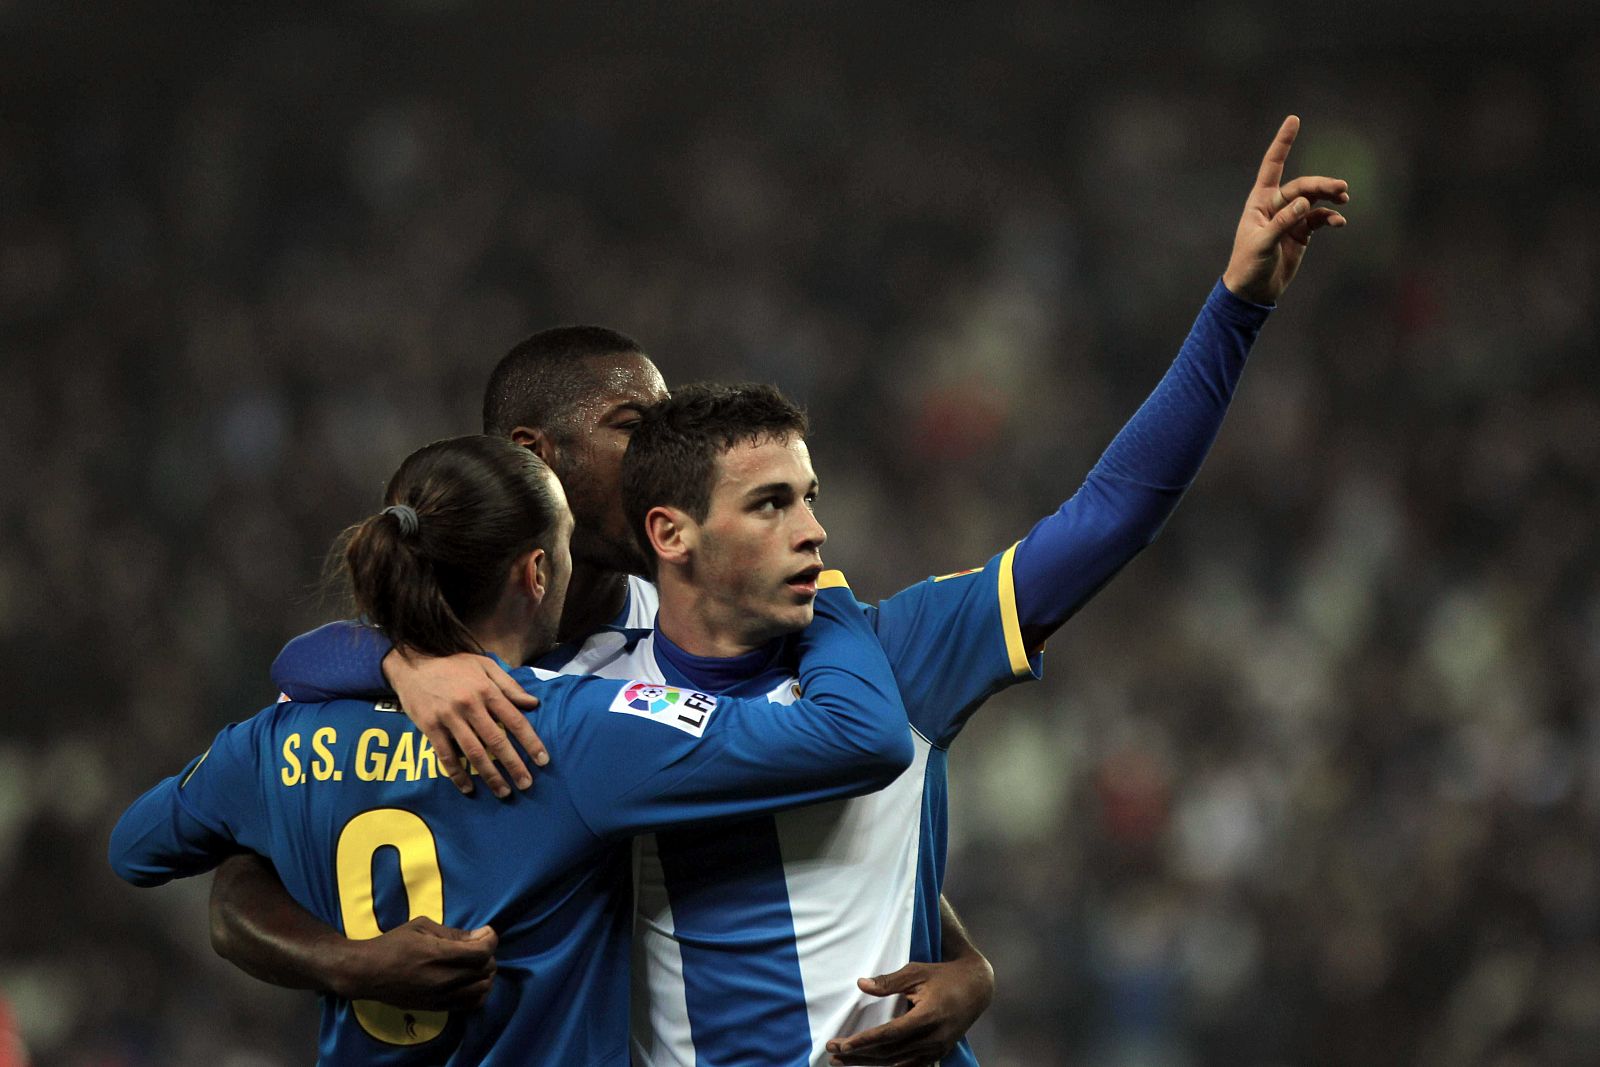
(407, 516)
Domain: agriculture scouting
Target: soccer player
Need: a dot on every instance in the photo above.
(347, 798)
(1022, 595)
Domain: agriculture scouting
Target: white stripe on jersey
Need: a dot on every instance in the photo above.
(851, 867)
(643, 601)
(660, 1009)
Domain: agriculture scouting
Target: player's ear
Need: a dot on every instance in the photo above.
(532, 574)
(536, 441)
(673, 534)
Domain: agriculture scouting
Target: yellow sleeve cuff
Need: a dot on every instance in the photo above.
(1009, 622)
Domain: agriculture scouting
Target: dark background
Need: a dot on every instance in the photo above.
(1316, 781)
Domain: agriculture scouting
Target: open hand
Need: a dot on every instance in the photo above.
(1278, 221)
(943, 1001)
(467, 703)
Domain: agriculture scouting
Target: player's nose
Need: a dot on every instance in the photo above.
(810, 535)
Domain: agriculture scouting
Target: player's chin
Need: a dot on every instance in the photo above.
(798, 616)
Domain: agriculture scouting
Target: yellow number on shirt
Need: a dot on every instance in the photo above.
(360, 839)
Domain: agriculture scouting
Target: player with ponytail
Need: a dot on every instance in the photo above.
(433, 564)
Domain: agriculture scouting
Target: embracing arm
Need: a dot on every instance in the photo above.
(205, 816)
(651, 757)
(187, 824)
(943, 1001)
(259, 928)
(466, 705)
(1137, 483)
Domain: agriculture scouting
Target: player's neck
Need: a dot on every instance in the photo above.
(698, 625)
(514, 650)
(510, 635)
(700, 640)
(595, 596)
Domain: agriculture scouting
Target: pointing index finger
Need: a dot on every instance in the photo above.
(1271, 172)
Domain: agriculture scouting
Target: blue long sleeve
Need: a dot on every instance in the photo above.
(340, 659)
(159, 838)
(1129, 495)
(184, 825)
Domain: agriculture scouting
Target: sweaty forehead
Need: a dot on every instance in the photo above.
(621, 379)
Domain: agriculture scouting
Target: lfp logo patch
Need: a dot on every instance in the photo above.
(683, 709)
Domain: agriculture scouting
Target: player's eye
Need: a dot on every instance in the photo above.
(811, 501)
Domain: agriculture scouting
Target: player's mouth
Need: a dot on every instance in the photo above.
(805, 582)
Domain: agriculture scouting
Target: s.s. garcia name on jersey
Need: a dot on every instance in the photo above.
(407, 756)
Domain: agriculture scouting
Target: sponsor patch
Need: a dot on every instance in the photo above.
(682, 709)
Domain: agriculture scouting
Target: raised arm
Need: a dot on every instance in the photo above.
(1141, 477)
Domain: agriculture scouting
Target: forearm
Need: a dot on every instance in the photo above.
(259, 928)
(157, 839)
(955, 943)
(340, 659)
(1143, 474)
(843, 671)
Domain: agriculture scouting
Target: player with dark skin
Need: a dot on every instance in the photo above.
(467, 703)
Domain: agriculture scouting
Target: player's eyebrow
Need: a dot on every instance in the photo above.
(784, 489)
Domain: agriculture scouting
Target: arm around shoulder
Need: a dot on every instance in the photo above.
(339, 659)
(844, 671)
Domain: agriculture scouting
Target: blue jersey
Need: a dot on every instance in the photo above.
(347, 799)
(748, 942)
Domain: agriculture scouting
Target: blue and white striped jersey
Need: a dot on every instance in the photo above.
(748, 937)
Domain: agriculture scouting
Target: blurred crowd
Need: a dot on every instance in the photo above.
(1315, 781)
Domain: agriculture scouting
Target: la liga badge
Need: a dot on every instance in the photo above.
(682, 709)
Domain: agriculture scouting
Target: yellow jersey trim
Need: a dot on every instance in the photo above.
(832, 580)
(958, 574)
(1009, 622)
(196, 767)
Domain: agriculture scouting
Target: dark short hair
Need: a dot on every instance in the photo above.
(672, 456)
(479, 502)
(541, 382)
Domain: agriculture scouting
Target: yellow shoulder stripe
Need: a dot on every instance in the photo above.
(957, 574)
(832, 580)
(1009, 622)
(196, 767)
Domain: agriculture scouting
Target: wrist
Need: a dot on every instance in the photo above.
(1241, 310)
(393, 665)
(342, 967)
(1242, 288)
